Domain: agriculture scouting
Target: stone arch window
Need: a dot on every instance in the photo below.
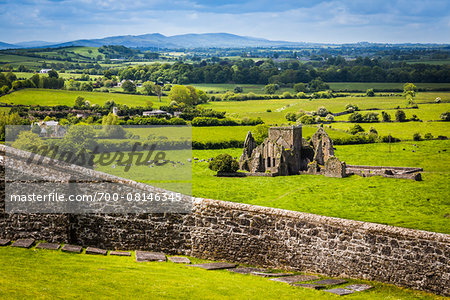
(268, 162)
(273, 161)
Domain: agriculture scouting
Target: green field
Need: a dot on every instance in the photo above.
(364, 86)
(62, 97)
(400, 202)
(44, 274)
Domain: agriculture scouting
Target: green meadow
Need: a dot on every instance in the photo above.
(44, 274)
(62, 97)
(399, 202)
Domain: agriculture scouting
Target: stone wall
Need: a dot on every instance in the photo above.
(258, 236)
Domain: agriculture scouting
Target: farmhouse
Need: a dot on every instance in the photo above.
(44, 71)
(153, 113)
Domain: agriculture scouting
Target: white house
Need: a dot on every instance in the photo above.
(44, 71)
(155, 113)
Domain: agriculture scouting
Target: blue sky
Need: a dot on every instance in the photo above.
(339, 21)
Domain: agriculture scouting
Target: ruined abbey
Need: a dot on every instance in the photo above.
(286, 152)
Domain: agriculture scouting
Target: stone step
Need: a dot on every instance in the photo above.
(247, 270)
(215, 266)
(48, 246)
(97, 251)
(71, 248)
(266, 274)
(310, 286)
(120, 253)
(180, 260)
(358, 287)
(295, 278)
(330, 281)
(143, 256)
(339, 291)
(24, 243)
(5, 242)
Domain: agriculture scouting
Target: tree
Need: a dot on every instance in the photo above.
(409, 91)
(27, 141)
(351, 107)
(238, 89)
(445, 116)
(86, 86)
(79, 102)
(300, 87)
(356, 128)
(148, 87)
(322, 111)
(184, 94)
(370, 93)
(370, 117)
(355, 117)
(52, 74)
(129, 86)
(158, 90)
(317, 84)
(224, 163)
(386, 117)
(271, 88)
(260, 133)
(400, 116)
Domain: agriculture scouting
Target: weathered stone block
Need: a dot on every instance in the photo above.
(143, 256)
(23, 243)
(120, 253)
(48, 246)
(340, 291)
(180, 260)
(72, 248)
(215, 266)
(295, 278)
(97, 251)
(5, 242)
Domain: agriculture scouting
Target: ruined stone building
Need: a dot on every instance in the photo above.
(286, 152)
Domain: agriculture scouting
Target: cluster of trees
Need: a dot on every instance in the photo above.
(10, 82)
(287, 73)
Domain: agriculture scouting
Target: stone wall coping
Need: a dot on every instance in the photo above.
(381, 167)
(325, 220)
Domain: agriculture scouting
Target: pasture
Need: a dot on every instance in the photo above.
(62, 97)
(399, 202)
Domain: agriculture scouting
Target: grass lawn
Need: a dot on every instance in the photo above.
(403, 131)
(400, 202)
(279, 108)
(53, 274)
(62, 97)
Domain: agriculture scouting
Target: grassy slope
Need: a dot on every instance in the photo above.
(400, 202)
(54, 274)
(61, 97)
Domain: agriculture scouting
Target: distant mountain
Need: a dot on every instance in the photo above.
(32, 44)
(156, 40)
(7, 46)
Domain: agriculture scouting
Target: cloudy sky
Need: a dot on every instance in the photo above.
(340, 21)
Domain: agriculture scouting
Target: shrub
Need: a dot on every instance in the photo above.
(355, 129)
(307, 120)
(291, 116)
(428, 136)
(355, 118)
(372, 130)
(260, 133)
(351, 107)
(389, 138)
(370, 117)
(271, 88)
(417, 137)
(322, 111)
(238, 89)
(400, 116)
(437, 100)
(287, 95)
(370, 93)
(300, 87)
(224, 163)
(268, 110)
(329, 118)
(445, 116)
(386, 117)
